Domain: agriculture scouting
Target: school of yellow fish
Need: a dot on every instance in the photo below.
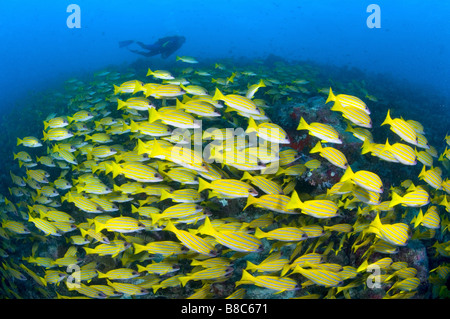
(183, 181)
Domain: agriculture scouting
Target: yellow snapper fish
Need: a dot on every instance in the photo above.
(316, 208)
(136, 103)
(198, 92)
(192, 241)
(272, 263)
(266, 185)
(273, 202)
(57, 134)
(414, 198)
(322, 131)
(268, 131)
(402, 128)
(347, 101)
(160, 74)
(240, 103)
(186, 59)
(253, 88)
(289, 234)
(334, 156)
(121, 224)
(320, 277)
(396, 234)
(364, 179)
(279, 284)
(430, 219)
(235, 240)
(29, 141)
(56, 122)
(432, 177)
(355, 115)
(229, 187)
(403, 153)
(177, 118)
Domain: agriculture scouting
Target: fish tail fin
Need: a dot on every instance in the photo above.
(349, 128)
(133, 126)
(184, 280)
(246, 277)
(116, 89)
(294, 202)
(208, 228)
(285, 269)
(155, 217)
(19, 141)
(317, 149)
(149, 72)
(396, 199)
(138, 87)
(250, 201)
(141, 268)
(422, 172)
(388, 119)
(157, 149)
(302, 125)
(116, 169)
(387, 147)
(89, 250)
(331, 96)
(179, 105)
(299, 269)
(261, 83)
(153, 115)
(134, 209)
(120, 104)
(419, 219)
(251, 266)
(45, 136)
(141, 147)
(164, 195)
(367, 146)
(337, 106)
(170, 227)
(231, 78)
(376, 223)
(98, 226)
(138, 248)
(202, 184)
(252, 127)
(218, 95)
(347, 175)
(247, 176)
(259, 233)
(363, 266)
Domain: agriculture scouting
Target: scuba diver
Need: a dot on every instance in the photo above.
(164, 46)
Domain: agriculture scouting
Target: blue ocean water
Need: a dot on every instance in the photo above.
(39, 50)
(404, 60)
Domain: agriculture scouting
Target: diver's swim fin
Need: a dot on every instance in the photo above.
(125, 43)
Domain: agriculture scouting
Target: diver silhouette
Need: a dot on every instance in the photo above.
(164, 46)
